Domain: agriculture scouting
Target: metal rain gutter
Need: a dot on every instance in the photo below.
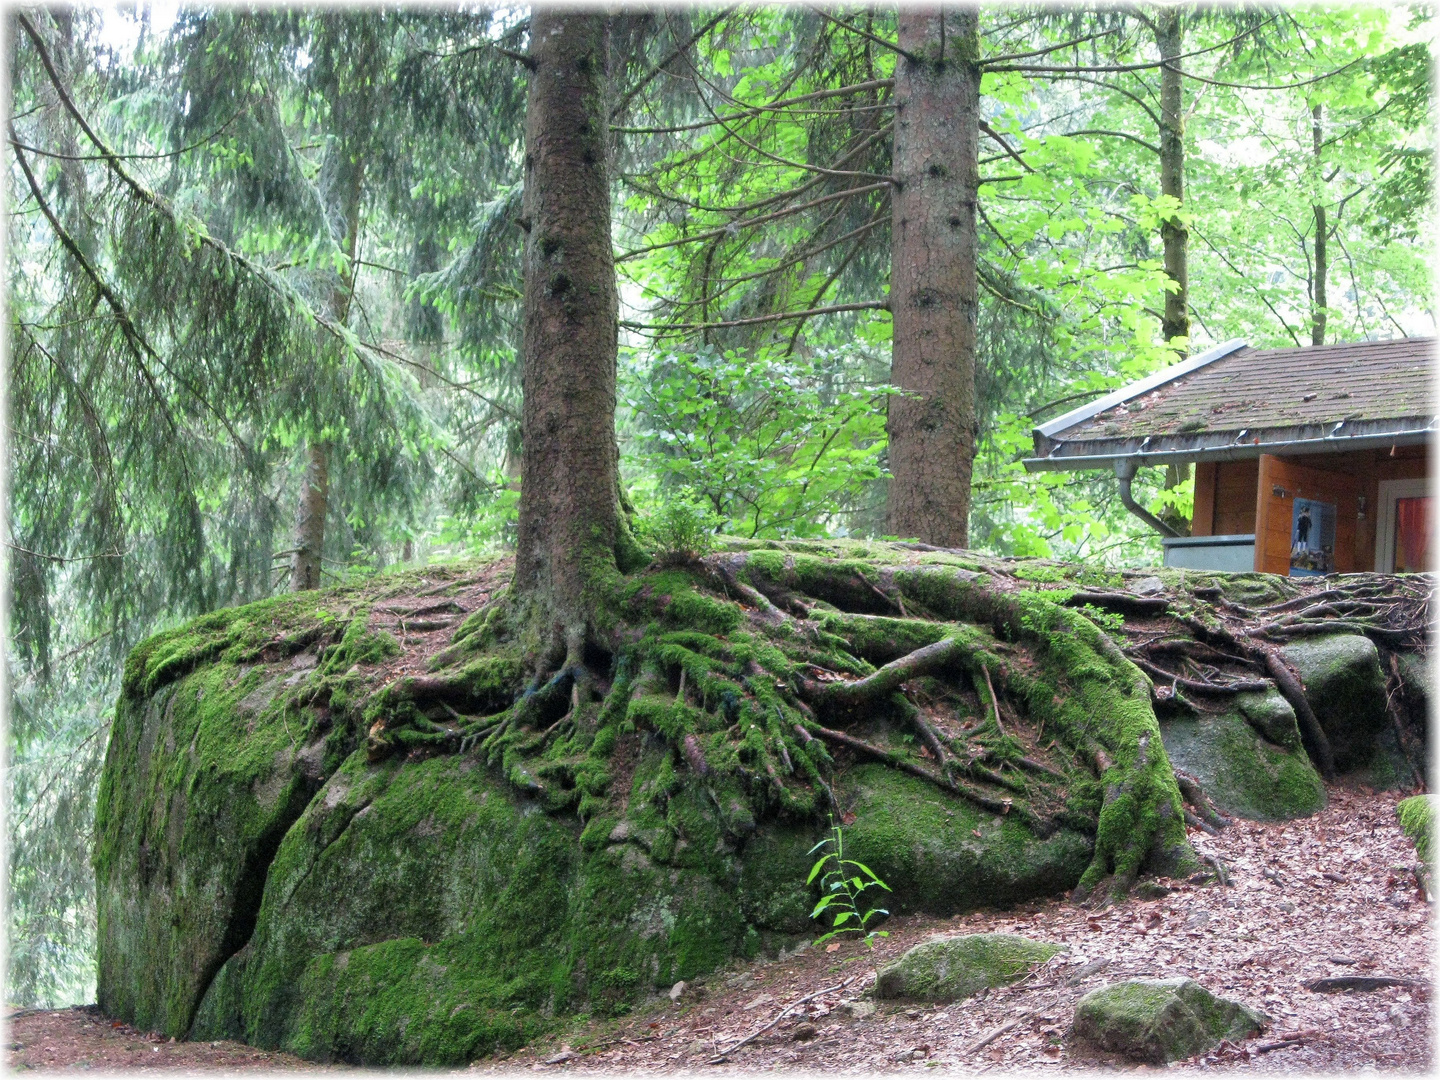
(1125, 472)
(1233, 451)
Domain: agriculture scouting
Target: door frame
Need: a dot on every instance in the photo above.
(1390, 492)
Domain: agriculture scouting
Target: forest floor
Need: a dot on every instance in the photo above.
(1329, 895)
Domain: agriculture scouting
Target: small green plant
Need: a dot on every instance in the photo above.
(680, 530)
(1106, 620)
(844, 883)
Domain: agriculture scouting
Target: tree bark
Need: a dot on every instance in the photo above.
(570, 513)
(1170, 37)
(310, 520)
(1317, 318)
(933, 298)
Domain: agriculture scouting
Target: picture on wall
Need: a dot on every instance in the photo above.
(1312, 538)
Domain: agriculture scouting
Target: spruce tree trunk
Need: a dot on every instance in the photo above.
(932, 279)
(1317, 319)
(310, 520)
(570, 515)
(1170, 37)
(310, 517)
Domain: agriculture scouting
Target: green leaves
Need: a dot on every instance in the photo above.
(774, 446)
(844, 891)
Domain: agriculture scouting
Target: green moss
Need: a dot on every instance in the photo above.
(1417, 821)
(1161, 1020)
(955, 968)
(1240, 772)
(922, 844)
(200, 783)
(1040, 572)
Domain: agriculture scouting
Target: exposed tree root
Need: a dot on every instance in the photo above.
(766, 666)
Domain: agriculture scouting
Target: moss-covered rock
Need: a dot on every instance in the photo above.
(1417, 821)
(1345, 687)
(1161, 1020)
(1417, 678)
(211, 759)
(943, 856)
(1271, 715)
(1242, 773)
(955, 968)
(310, 838)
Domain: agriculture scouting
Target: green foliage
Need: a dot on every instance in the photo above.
(681, 529)
(776, 445)
(843, 884)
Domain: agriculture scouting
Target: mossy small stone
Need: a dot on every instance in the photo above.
(1161, 1020)
(1417, 821)
(1242, 773)
(1346, 688)
(954, 968)
(1271, 715)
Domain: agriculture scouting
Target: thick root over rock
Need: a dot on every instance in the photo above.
(767, 668)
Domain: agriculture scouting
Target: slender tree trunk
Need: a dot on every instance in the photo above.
(305, 563)
(310, 520)
(1170, 37)
(570, 513)
(932, 277)
(1317, 318)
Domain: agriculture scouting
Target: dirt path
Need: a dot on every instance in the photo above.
(1281, 922)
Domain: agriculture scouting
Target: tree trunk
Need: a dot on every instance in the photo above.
(570, 514)
(1170, 37)
(932, 279)
(1317, 318)
(310, 520)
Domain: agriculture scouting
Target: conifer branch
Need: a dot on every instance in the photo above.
(866, 34)
(1115, 135)
(1148, 66)
(984, 61)
(997, 137)
(807, 253)
(139, 347)
(786, 161)
(1284, 86)
(663, 64)
(782, 316)
(732, 228)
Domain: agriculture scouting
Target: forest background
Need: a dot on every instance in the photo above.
(264, 299)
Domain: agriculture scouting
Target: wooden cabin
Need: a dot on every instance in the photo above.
(1307, 461)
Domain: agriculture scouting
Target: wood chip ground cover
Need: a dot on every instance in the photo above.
(1327, 896)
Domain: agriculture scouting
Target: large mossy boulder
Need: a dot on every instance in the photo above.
(203, 778)
(955, 968)
(344, 825)
(1161, 1020)
(943, 857)
(264, 875)
(1345, 686)
(1249, 760)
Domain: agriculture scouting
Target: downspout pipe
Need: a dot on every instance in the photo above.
(1125, 472)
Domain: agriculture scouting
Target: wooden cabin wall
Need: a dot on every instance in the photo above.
(1224, 498)
(1341, 479)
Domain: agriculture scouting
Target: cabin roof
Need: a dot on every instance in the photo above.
(1235, 401)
